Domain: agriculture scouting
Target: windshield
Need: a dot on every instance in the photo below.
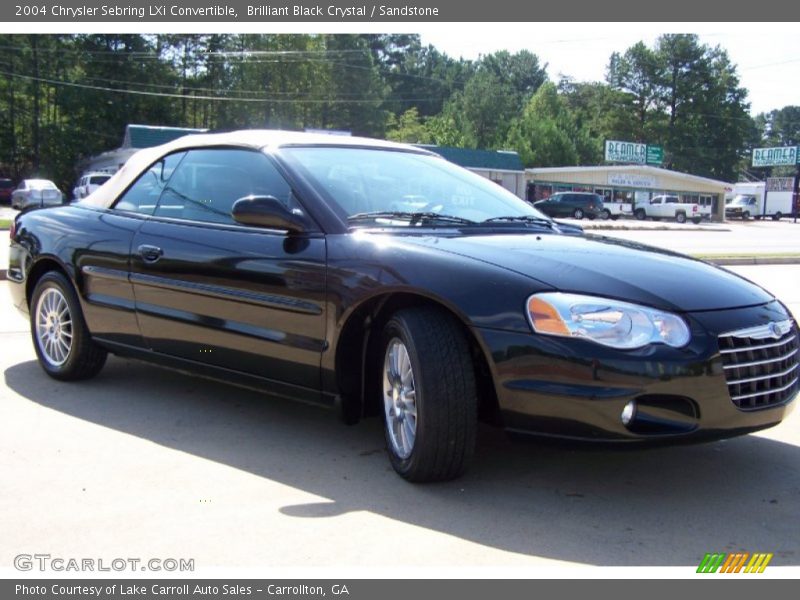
(743, 200)
(362, 181)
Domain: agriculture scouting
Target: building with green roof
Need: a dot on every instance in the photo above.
(504, 167)
(136, 137)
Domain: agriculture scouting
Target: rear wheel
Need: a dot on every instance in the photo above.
(680, 217)
(777, 216)
(60, 337)
(429, 395)
(745, 215)
(578, 213)
(696, 220)
(640, 214)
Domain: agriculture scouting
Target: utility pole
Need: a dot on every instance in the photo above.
(35, 104)
(796, 191)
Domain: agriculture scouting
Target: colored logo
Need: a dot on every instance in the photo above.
(738, 562)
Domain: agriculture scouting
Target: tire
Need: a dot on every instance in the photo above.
(614, 217)
(640, 214)
(745, 216)
(605, 214)
(578, 213)
(777, 216)
(61, 339)
(680, 217)
(697, 220)
(432, 438)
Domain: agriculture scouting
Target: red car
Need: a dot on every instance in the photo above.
(6, 187)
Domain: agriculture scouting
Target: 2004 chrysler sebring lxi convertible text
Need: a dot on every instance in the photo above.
(379, 278)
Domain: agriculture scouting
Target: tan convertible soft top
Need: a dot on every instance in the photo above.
(258, 139)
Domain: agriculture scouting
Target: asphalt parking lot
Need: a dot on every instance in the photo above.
(143, 462)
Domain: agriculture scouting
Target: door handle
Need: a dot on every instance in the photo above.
(150, 254)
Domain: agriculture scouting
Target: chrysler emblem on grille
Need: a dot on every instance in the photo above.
(773, 329)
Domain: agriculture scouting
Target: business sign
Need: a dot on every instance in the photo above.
(627, 152)
(655, 155)
(780, 184)
(774, 157)
(632, 152)
(631, 180)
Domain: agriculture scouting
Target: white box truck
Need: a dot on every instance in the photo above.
(748, 202)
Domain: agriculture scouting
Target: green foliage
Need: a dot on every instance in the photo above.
(408, 128)
(546, 135)
(64, 98)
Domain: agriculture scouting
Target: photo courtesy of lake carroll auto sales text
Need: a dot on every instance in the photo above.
(319, 300)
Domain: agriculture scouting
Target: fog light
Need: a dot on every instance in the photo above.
(628, 412)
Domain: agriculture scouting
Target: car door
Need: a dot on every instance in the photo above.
(210, 291)
(550, 206)
(657, 207)
(104, 266)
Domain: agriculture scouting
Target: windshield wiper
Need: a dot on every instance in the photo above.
(412, 217)
(523, 219)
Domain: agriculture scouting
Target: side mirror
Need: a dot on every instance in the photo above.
(266, 211)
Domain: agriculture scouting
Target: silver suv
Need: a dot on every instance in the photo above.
(88, 183)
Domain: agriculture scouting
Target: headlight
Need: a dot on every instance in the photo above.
(608, 322)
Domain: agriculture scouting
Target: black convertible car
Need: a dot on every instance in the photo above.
(378, 278)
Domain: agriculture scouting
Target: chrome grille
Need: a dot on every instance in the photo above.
(761, 364)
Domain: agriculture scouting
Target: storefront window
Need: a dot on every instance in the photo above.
(625, 196)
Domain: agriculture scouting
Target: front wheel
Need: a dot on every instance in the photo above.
(697, 220)
(777, 216)
(605, 214)
(429, 395)
(745, 216)
(61, 339)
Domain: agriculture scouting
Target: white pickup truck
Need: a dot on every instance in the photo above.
(668, 207)
(615, 210)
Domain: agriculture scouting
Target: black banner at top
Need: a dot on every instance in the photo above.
(386, 11)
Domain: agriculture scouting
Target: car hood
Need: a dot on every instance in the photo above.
(607, 267)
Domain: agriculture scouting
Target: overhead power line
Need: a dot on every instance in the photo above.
(206, 97)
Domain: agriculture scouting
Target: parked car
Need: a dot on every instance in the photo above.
(572, 204)
(668, 207)
(36, 192)
(88, 183)
(6, 189)
(276, 260)
(615, 210)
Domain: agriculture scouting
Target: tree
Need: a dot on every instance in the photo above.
(546, 134)
(408, 128)
(521, 72)
(636, 72)
(686, 96)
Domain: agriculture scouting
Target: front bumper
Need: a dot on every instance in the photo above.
(572, 388)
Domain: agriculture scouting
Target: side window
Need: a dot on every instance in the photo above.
(142, 196)
(208, 182)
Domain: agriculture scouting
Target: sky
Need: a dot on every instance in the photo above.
(767, 55)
